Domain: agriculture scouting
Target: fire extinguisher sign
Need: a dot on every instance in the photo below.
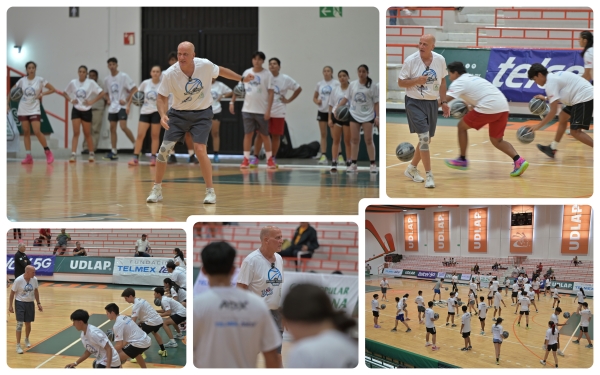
(129, 39)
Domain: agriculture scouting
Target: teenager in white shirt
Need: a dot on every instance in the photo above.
(129, 339)
(430, 326)
(580, 297)
(172, 312)
(482, 314)
(95, 342)
(536, 287)
(489, 106)
(256, 111)
(375, 309)
(149, 117)
(231, 325)
(576, 93)
(321, 99)
(423, 75)
(384, 287)
(554, 318)
(401, 306)
(338, 127)
(472, 301)
(586, 40)
(179, 257)
(465, 328)
(79, 93)
(551, 343)
(497, 338)
(363, 97)
(451, 309)
(173, 290)
(506, 286)
(454, 282)
(555, 296)
(119, 91)
(29, 111)
(531, 296)
(586, 316)
(497, 308)
(420, 306)
(524, 301)
(218, 91)
(515, 293)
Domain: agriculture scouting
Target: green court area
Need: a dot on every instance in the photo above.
(371, 289)
(69, 335)
(571, 327)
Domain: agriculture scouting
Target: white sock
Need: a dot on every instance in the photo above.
(428, 173)
(191, 152)
(172, 152)
(247, 154)
(92, 153)
(269, 154)
(72, 153)
(27, 152)
(159, 185)
(114, 151)
(554, 145)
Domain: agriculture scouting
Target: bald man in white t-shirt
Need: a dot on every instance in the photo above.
(262, 273)
(189, 80)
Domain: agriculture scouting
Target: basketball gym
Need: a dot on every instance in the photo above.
(486, 39)
(413, 247)
(337, 253)
(110, 190)
(68, 283)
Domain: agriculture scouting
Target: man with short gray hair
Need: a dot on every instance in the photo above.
(21, 260)
(24, 291)
(423, 75)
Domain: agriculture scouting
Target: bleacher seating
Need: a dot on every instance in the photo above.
(338, 250)
(563, 269)
(105, 242)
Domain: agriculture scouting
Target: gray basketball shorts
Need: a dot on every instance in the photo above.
(25, 311)
(255, 121)
(422, 115)
(279, 322)
(198, 123)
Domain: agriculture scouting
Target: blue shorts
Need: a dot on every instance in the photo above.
(436, 291)
(400, 317)
(496, 341)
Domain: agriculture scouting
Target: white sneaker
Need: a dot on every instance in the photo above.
(374, 168)
(352, 168)
(178, 336)
(27, 343)
(155, 195)
(19, 350)
(429, 182)
(210, 197)
(318, 156)
(92, 158)
(323, 160)
(72, 159)
(560, 353)
(171, 344)
(413, 174)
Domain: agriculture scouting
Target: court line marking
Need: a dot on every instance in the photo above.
(75, 342)
(503, 162)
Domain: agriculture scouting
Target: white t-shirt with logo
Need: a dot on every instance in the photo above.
(586, 315)
(329, 349)
(479, 93)
(94, 340)
(257, 91)
(454, 279)
(217, 90)
(142, 245)
(126, 330)
(482, 309)
(233, 321)
(336, 97)
(588, 58)
(25, 290)
(181, 295)
(150, 90)
(580, 297)
(420, 301)
(531, 295)
(527, 287)
(374, 305)
(414, 67)
(118, 88)
(281, 85)
(536, 285)
(554, 318)
(86, 90)
(552, 337)
(494, 286)
(400, 307)
(384, 284)
(451, 303)
(189, 93)
(429, 316)
(175, 308)
(525, 302)
(515, 287)
(497, 331)
(497, 299)
(325, 89)
(29, 104)
(145, 313)
(568, 87)
(362, 101)
(263, 278)
(466, 320)
(179, 276)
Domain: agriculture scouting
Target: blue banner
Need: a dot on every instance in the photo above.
(507, 69)
(427, 275)
(44, 264)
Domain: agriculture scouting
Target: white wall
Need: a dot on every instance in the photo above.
(384, 223)
(546, 239)
(306, 43)
(59, 45)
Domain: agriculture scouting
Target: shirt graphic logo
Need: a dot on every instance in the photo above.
(274, 277)
(326, 90)
(193, 87)
(360, 97)
(29, 91)
(91, 349)
(214, 94)
(114, 88)
(80, 94)
(255, 81)
(431, 78)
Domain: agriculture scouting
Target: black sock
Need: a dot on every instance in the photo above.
(46, 148)
(462, 158)
(517, 157)
(215, 153)
(162, 347)
(372, 161)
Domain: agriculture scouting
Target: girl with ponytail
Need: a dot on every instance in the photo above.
(586, 40)
(320, 332)
(497, 331)
(551, 343)
(176, 292)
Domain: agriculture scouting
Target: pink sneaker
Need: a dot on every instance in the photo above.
(28, 160)
(49, 157)
(133, 162)
(152, 161)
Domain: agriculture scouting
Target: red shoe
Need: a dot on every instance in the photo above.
(133, 162)
(271, 163)
(28, 159)
(245, 164)
(49, 157)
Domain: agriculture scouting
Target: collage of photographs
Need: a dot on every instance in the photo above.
(241, 154)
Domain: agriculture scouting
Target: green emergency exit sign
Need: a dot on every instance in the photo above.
(330, 12)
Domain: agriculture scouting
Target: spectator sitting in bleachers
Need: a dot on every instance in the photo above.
(305, 240)
(539, 268)
(142, 247)
(549, 272)
(495, 266)
(61, 242)
(444, 262)
(46, 235)
(575, 261)
(38, 241)
(78, 250)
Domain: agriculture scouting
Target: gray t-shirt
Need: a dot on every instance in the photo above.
(437, 285)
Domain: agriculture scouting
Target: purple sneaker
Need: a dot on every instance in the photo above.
(253, 162)
(463, 165)
(520, 166)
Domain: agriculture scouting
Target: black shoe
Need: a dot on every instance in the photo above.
(464, 349)
(547, 150)
(172, 159)
(85, 152)
(193, 159)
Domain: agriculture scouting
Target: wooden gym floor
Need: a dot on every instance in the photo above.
(55, 342)
(113, 191)
(522, 349)
(569, 175)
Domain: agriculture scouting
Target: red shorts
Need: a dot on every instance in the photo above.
(30, 118)
(536, 291)
(276, 126)
(497, 122)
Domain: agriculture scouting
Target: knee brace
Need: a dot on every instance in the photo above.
(19, 326)
(163, 151)
(424, 141)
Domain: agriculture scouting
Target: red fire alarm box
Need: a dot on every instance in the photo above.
(129, 39)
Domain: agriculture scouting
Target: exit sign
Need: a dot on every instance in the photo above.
(330, 12)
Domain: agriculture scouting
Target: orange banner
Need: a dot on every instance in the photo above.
(521, 237)
(478, 230)
(441, 232)
(411, 233)
(576, 230)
